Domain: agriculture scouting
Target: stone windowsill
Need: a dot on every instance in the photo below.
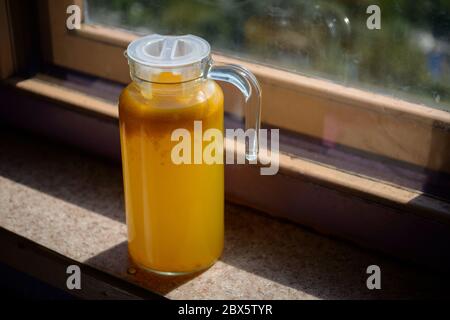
(72, 203)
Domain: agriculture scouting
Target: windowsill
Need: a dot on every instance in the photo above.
(72, 203)
(370, 212)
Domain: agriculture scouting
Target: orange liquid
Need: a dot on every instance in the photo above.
(174, 212)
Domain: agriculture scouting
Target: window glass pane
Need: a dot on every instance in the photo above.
(409, 57)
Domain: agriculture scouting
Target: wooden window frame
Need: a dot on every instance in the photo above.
(6, 49)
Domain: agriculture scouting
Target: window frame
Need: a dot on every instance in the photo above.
(401, 130)
(6, 50)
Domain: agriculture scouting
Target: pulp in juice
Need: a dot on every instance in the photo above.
(174, 212)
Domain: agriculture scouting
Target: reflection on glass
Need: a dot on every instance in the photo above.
(409, 57)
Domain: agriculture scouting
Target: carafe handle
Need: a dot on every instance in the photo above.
(248, 85)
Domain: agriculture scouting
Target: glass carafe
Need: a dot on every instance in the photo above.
(175, 212)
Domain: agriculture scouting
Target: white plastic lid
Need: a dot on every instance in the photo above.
(185, 55)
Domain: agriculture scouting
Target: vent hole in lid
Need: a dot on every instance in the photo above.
(182, 48)
(154, 48)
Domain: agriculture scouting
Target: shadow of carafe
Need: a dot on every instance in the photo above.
(117, 261)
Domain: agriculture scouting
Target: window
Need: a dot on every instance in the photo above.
(345, 125)
(381, 115)
(409, 57)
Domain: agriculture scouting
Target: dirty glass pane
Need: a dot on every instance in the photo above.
(402, 50)
(409, 57)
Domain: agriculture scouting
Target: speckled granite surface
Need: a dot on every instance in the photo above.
(72, 203)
